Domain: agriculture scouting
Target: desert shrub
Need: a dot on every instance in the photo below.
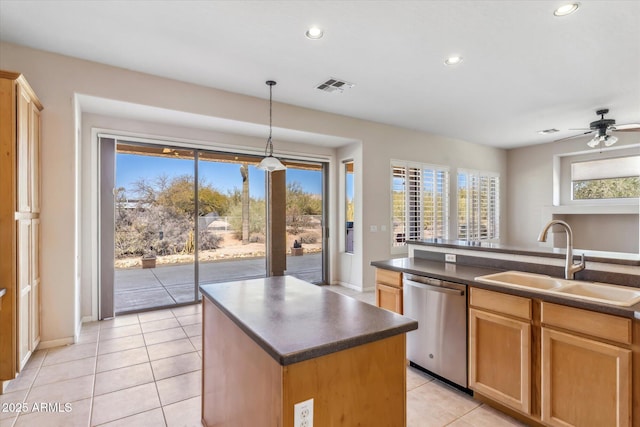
(256, 238)
(308, 238)
(209, 240)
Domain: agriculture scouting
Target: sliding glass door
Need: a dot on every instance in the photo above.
(186, 217)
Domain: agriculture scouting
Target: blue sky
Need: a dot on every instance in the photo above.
(221, 176)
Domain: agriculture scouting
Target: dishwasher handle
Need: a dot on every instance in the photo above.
(435, 288)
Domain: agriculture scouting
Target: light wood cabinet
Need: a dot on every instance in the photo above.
(586, 372)
(19, 222)
(389, 290)
(499, 348)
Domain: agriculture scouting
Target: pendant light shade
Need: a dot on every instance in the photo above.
(270, 163)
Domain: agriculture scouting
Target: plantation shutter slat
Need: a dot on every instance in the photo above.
(478, 206)
(420, 202)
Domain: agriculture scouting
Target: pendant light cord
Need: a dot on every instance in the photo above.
(269, 149)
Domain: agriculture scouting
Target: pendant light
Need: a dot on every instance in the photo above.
(270, 163)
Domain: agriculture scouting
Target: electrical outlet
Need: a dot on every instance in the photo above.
(450, 257)
(303, 414)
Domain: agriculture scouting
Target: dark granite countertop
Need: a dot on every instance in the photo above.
(593, 256)
(465, 274)
(293, 320)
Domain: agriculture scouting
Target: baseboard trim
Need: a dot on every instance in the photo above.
(55, 343)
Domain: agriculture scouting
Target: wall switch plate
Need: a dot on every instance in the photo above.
(383, 228)
(450, 257)
(373, 228)
(303, 414)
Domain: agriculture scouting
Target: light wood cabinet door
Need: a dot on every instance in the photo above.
(24, 291)
(389, 297)
(23, 152)
(34, 301)
(500, 359)
(34, 153)
(584, 382)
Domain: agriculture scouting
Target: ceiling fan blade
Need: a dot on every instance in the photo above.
(580, 129)
(573, 136)
(629, 127)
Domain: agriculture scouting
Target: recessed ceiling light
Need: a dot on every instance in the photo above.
(453, 60)
(566, 9)
(314, 33)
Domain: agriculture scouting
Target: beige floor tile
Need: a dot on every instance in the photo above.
(192, 319)
(416, 378)
(421, 413)
(122, 331)
(63, 391)
(120, 344)
(179, 388)
(168, 349)
(69, 353)
(76, 415)
(150, 316)
(119, 379)
(152, 418)
(23, 381)
(124, 403)
(485, 416)
(187, 310)
(11, 405)
(183, 414)
(65, 371)
(196, 342)
(135, 356)
(87, 337)
(164, 336)
(193, 330)
(176, 365)
(158, 325)
(118, 321)
(36, 359)
(439, 394)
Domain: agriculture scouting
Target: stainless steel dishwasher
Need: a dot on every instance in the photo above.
(439, 345)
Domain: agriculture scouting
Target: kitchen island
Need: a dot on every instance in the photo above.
(269, 344)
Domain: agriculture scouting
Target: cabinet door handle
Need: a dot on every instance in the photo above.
(440, 289)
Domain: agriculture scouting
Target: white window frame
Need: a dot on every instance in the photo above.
(479, 184)
(414, 220)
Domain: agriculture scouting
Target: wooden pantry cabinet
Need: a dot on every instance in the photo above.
(19, 222)
(551, 364)
(389, 290)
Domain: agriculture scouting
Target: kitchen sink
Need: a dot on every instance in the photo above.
(520, 279)
(600, 292)
(610, 294)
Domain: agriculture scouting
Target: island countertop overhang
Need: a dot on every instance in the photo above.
(293, 320)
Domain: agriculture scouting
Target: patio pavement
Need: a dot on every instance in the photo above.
(141, 289)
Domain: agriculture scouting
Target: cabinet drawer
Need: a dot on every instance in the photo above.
(389, 297)
(587, 322)
(388, 277)
(501, 303)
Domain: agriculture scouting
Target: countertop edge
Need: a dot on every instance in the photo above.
(592, 256)
(438, 270)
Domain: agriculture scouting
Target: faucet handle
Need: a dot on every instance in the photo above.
(581, 263)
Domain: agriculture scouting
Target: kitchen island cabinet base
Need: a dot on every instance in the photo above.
(244, 386)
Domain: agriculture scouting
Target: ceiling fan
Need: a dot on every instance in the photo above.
(602, 127)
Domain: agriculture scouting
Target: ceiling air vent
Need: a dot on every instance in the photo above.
(334, 85)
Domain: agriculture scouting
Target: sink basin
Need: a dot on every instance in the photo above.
(610, 294)
(600, 292)
(520, 279)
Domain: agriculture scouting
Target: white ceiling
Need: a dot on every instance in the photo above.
(524, 70)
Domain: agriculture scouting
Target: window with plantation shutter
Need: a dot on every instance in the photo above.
(478, 205)
(420, 202)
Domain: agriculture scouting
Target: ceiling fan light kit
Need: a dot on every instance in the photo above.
(602, 127)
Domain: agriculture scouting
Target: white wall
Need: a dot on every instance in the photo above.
(57, 79)
(530, 188)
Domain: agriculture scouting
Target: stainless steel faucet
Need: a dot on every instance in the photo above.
(569, 267)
